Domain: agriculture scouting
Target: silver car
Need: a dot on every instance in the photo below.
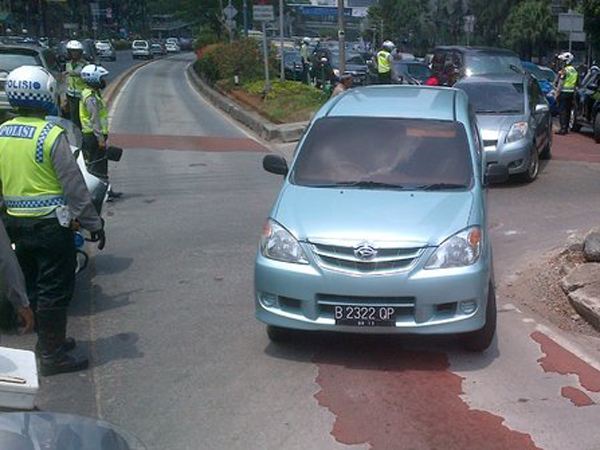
(381, 223)
(515, 121)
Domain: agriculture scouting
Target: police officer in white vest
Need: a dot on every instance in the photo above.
(43, 191)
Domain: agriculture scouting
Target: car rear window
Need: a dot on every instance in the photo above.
(140, 44)
(492, 63)
(375, 152)
(11, 60)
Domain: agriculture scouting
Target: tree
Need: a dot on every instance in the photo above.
(489, 19)
(591, 11)
(403, 20)
(530, 28)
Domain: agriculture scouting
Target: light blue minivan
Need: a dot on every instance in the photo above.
(381, 223)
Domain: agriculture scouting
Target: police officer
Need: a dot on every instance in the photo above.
(305, 55)
(74, 66)
(43, 190)
(93, 116)
(12, 283)
(565, 91)
(385, 68)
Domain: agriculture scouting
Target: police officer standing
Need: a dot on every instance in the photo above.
(93, 116)
(385, 68)
(305, 55)
(74, 67)
(43, 190)
(565, 91)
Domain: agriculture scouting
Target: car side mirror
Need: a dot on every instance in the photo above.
(275, 164)
(542, 108)
(496, 173)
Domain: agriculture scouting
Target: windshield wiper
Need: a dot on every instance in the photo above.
(368, 184)
(441, 186)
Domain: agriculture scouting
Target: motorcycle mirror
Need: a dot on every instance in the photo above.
(114, 153)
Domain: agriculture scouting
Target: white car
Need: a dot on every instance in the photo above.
(172, 47)
(105, 50)
(141, 49)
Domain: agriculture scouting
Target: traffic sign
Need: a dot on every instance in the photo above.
(109, 13)
(263, 13)
(230, 11)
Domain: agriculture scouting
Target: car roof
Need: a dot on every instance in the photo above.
(466, 49)
(399, 101)
(495, 78)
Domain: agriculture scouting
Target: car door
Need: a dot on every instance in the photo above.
(541, 119)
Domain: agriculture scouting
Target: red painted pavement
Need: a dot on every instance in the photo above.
(392, 398)
(577, 396)
(185, 143)
(576, 147)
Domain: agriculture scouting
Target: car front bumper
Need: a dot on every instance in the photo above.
(299, 296)
(515, 155)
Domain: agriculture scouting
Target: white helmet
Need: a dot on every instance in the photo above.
(306, 40)
(75, 45)
(93, 75)
(388, 45)
(32, 87)
(566, 57)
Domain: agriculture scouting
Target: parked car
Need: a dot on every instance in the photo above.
(412, 72)
(158, 49)
(186, 44)
(292, 64)
(141, 49)
(545, 78)
(586, 105)
(105, 50)
(514, 119)
(13, 56)
(172, 47)
(392, 240)
(451, 63)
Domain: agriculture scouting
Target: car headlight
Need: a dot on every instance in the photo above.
(462, 249)
(517, 131)
(279, 244)
(336, 72)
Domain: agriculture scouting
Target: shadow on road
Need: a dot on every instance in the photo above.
(110, 264)
(118, 347)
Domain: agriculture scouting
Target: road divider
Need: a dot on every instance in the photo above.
(265, 129)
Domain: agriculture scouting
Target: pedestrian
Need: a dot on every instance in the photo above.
(385, 67)
(565, 91)
(346, 82)
(74, 66)
(305, 55)
(94, 123)
(12, 282)
(43, 191)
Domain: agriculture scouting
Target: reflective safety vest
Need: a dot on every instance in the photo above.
(383, 62)
(76, 84)
(84, 114)
(570, 81)
(30, 186)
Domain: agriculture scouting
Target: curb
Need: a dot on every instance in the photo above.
(268, 131)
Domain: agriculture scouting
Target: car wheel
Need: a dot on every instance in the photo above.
(480, 340)
(597, 128)
(534, 166)
(573, 123)
(279, 335)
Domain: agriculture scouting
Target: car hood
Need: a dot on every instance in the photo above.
(492, 125)
(424, 218)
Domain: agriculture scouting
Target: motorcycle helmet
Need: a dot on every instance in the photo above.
(93, 75)
(32, 87)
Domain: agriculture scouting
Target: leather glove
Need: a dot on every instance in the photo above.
(100, 237)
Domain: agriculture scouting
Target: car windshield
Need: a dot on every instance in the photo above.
(292, 57)
(495, 98)
(409, 154)
(485, 64)
(10, 61)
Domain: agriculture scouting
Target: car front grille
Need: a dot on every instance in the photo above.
(388, 259)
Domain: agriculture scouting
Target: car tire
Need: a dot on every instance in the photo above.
(480, 340)
(597, 128)
(575, 126)
(279, 335)
(547, 151)
(533, 169)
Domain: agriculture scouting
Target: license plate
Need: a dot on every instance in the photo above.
(365, 316)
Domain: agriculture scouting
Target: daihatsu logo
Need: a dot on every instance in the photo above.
(365, 251)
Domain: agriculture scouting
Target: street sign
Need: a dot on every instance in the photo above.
(230, 24)
(109, 13)
(70, 26)
(570, 22)
(230, 11)
(263, 13)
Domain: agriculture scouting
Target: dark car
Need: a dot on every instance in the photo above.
(586, 108)
(545, 78)
(412, 72)
(451, 63)
(292, 63)
(355, 65)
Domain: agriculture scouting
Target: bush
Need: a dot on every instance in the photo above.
(122, 45)
(207, 65)
(205, 38)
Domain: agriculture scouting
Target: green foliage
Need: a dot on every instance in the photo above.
(403, 20)
(591, 10)
(122, 45)
(489, 19)
(530, 27)
(205, 38)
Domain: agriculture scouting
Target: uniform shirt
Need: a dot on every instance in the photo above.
(12, 282)
(93, 108)
(75, 191)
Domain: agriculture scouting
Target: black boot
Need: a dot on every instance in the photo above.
(53, 357)
(68, 346)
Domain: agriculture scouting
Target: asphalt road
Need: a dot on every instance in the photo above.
(124, 61)
(179, 360)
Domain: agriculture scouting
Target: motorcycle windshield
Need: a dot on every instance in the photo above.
(50, 431)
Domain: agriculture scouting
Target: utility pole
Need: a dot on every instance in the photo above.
(245, 13)
(341, 36)
(282, 68)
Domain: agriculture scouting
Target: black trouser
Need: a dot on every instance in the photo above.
(95, 158)
(46, 254)
(565, 105)
(73, 103)
(385, 78)
(306, 73)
